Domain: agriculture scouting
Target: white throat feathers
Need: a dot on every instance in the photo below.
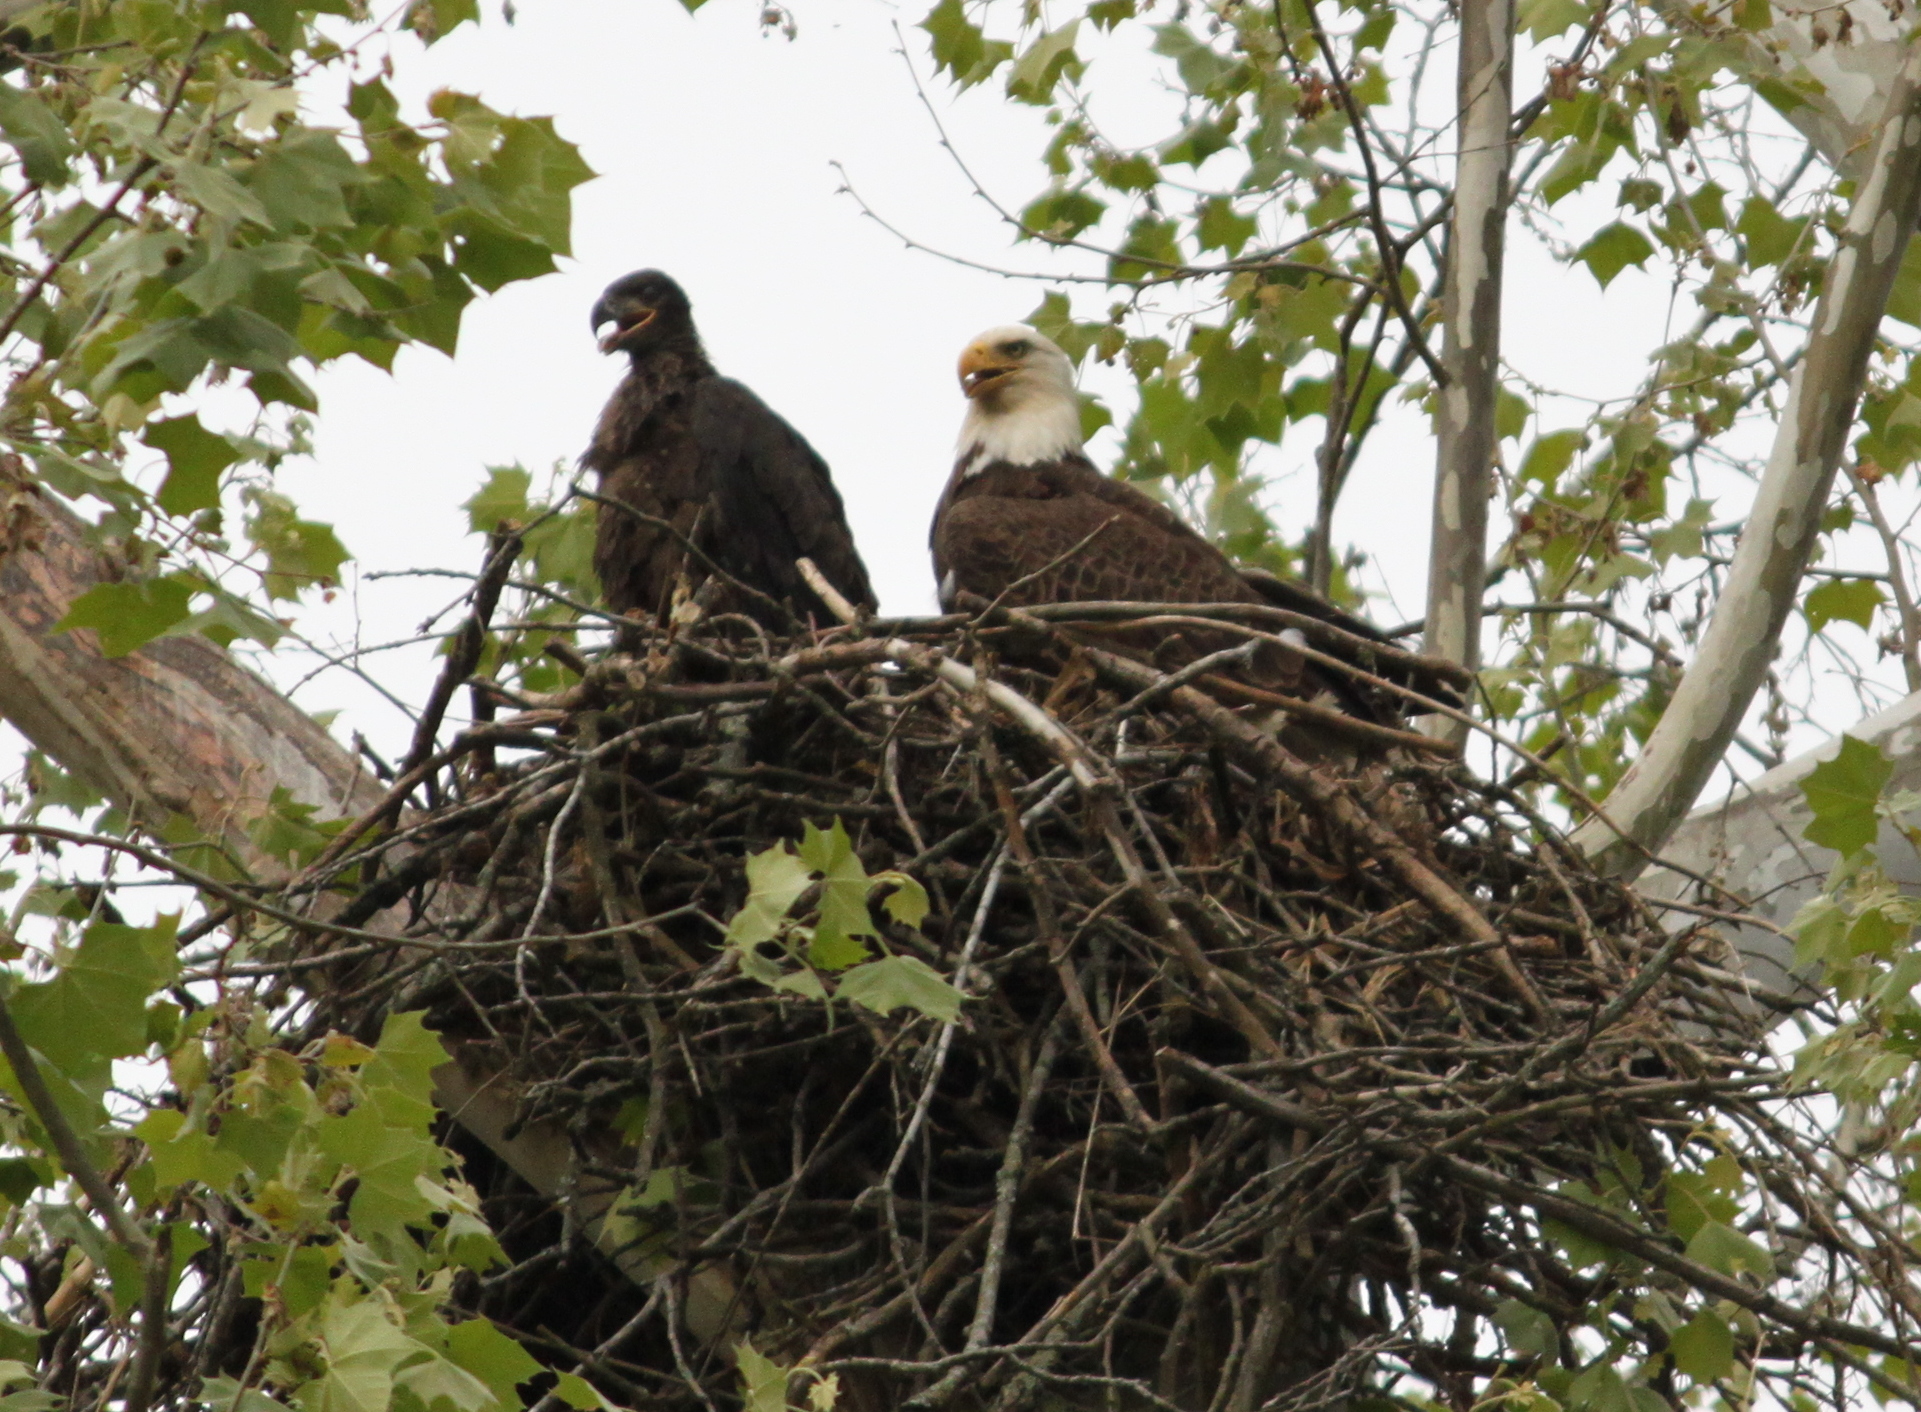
(1022, 406)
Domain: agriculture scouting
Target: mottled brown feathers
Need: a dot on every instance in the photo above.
(698, 459)
(1061, 532)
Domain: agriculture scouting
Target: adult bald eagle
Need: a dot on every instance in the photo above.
(1026, 518)
(697, 459)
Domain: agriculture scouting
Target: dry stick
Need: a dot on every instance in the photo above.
(1593, 1221)
(1308, 786)
(154, 1257)
(1334, 719)
(1095, 787)
(1007, 1184)
(464, 657)
(1049, 924)
(1310, 626)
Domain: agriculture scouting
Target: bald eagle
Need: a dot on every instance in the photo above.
(1027, 518)
(686, 458)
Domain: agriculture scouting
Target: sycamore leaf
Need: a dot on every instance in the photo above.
(503, 497)
(1721, 1247)
(581, 1395)
(892, 982)
(775, 878)
(195, 459)
(95, 1007)
(763, 1380)
(1612, 249)
(907, 903)
(1842, 794)
(127, 616)
(487, 1353)
(1703, 1348)
(1842, 600)
(1527, 1330)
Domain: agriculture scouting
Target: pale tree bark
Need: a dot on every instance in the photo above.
(1471, 353)
(181, 729)
(1751, 844)
(1784, 525)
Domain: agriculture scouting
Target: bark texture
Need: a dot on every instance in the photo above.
(1763, 582)
(1471, 353)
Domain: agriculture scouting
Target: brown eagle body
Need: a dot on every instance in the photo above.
(686, 457)
(1027, 519)
(999, 523)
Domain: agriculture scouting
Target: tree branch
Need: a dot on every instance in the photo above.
(1784, 525)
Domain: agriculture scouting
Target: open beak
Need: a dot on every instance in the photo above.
(627, 321)
(981, 369)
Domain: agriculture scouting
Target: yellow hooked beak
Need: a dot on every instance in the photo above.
(981, 368)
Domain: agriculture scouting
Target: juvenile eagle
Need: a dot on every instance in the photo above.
(706, 463)
(1026, 518)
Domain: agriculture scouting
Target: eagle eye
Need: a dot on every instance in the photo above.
(1019, 348)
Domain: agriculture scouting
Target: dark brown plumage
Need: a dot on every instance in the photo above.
(703, 461)
(1027, 519)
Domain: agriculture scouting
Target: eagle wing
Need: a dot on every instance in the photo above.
(1076, 536)
(773, 500)
(1061, 532)
(639, 551)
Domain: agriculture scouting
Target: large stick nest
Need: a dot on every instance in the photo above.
(1271, 1070)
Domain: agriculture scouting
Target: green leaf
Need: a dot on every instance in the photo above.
(128, 615)
(301, 554)
(960, 48)
(1543, 20)
(762, 1379)
(1703, 1348)
(404, 1059)
(775, 878)
(833, 951)
(96, 1006)
(1721, 1247)
(1221, 227)
(895, 981)
(360, 1349)
(1842, 600)
(195, 459)
(1551, 454)
(215, 191)
(1842, 794)
(907, 903)
(36, 133)
(503, 497)
(580, 1394)
(1612, 249)
(302, 181)
(1693, 1200)
(1061, 215)
(228, 1395)
(442, 1385)
(1042, 66)
(1528, 1330)
(487, 1353)
(1599, 1388)
(1770, 236)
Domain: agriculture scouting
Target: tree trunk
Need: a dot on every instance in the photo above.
(1471, 354)
(179, 729)
(1784, 525)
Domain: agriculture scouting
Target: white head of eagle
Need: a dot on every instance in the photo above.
(1022, 407)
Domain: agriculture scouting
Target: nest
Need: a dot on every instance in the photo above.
(1279, 1079)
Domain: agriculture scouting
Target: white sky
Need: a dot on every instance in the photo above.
(716, 147)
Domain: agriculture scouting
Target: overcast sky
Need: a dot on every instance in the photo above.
(717, 146)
